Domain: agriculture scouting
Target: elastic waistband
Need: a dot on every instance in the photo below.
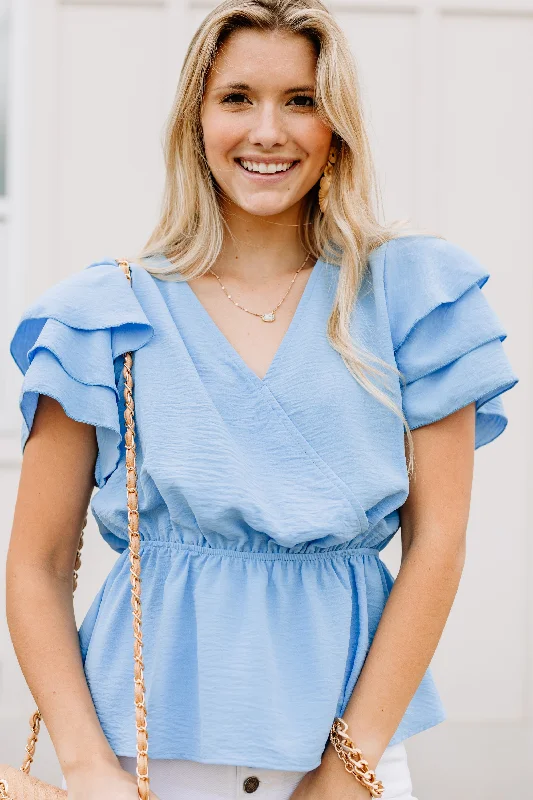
(327, 553)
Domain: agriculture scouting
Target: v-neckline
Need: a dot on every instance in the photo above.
(230, 349)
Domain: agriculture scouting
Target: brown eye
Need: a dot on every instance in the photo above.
(236, 97)
(303, 100)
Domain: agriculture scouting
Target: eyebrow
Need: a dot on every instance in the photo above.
(246, 88)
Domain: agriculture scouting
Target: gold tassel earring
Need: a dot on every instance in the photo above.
(325, 180)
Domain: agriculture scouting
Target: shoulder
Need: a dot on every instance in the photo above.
(427, 257)
(422, 273)
(93, 299)
(447, 338)
(78, 297)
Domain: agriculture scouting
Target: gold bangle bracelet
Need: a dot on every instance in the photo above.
(353, 759)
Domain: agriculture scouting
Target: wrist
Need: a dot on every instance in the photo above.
(335, 777)
(357, 764)
(331, 757)
(89, 762)
(331, 761)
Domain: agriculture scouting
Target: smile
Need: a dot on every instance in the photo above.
(264, 168)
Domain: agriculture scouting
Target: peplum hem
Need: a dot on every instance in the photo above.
(447, 339)
(65, 345)
(240, 651)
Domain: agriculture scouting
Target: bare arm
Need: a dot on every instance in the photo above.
(433, 527)
(55, 487)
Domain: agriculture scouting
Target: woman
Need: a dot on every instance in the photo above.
(275, 460)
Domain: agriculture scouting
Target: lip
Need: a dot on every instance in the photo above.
(267, 159)
(270, 177)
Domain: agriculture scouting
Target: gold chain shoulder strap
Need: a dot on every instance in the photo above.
(143, 781)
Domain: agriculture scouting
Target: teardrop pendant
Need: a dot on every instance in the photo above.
(270, 317)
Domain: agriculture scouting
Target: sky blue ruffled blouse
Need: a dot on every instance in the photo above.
(264, 503)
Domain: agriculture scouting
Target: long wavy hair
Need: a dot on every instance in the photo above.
(191, 228)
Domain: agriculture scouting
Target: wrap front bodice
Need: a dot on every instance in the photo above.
(264, 503)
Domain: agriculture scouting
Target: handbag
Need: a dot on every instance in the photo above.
(18, 784)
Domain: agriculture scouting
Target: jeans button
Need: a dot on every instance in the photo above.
(251, 784)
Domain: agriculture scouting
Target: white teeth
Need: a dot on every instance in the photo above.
(262, 167)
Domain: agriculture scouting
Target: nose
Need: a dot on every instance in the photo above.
(267, 129)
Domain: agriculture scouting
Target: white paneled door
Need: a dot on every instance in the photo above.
(448, 92)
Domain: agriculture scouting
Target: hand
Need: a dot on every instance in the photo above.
(107, 782)
(317, 785)
(330, 781)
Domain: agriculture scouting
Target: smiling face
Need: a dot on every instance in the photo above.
(264, 142)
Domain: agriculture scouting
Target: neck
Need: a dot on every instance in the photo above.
(260, 249)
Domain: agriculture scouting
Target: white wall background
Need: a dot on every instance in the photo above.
(449, 93)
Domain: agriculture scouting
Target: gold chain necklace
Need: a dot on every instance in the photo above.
(270, 316)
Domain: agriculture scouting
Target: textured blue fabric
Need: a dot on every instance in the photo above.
(264, 503)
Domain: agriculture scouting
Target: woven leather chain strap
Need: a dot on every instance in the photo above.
(18, 784)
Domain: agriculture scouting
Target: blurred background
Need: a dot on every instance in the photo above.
(85, 87)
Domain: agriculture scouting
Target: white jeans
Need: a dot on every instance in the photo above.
(176, 779)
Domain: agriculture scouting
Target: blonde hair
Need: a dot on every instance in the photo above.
(190, 231)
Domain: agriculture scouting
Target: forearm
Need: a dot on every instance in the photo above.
(405, 641)
(42, 625)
